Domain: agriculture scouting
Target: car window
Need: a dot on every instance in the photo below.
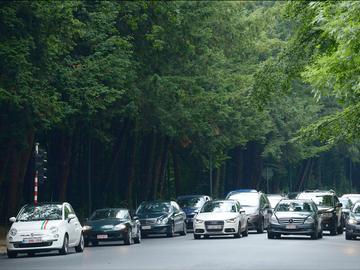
(218, 207)
(40, 212)
(246, 199)
(294, 206)
(153, 207)
(66, 211)
(109, 213)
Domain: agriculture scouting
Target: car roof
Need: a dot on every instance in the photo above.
(297, 200)
(227, 200)
(191, 196)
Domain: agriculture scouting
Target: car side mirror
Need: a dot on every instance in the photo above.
(70, 217)
(12, 219)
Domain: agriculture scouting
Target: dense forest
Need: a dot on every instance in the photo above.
(148, 100)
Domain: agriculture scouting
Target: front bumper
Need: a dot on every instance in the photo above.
(301, 229)
(104, 235)
(225, 228)
(353, 229)
(47, 243)
(328, 223)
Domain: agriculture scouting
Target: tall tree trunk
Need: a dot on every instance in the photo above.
(304, 174)
(164, 165)
(132, 169)
(217, 182)
(150, 166)
(176, 164)
(157, 169)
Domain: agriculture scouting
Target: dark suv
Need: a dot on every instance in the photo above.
(256, 205)
(330, 206)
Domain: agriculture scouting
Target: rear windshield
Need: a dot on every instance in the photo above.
(191, 202)
(246, 199)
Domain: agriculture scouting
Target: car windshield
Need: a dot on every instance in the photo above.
(218, 207)
(356, 209)
(41, 212)
(274, 200)
(246, 199)
(191, 202)
(320, 200)
(153, 207)
(109, 213)
(287, 206)
(345, 202)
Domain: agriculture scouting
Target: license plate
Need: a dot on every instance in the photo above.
(146, 227)
(291, 226)
(102, 236)
(32, 240)
(214, 227)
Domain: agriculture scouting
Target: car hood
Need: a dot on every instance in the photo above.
(103, 222)
(292, 214)
(251, 210)
(35, 225)
(216, 216)
(152, 215)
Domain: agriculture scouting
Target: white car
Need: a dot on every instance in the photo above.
(44, 227)
(221, 217)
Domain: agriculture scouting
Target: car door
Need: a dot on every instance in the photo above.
(178, 216)
(70, 224)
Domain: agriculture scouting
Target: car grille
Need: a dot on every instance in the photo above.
(149, 221)
(214, 222)
(33, 245)
(291, 220)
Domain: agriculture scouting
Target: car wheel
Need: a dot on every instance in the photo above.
(197, 236)
(246, 232)
(80, 247)
(348, 236)
(260, 228)
(238, 234)
(11, 254)
(94, 243)
(128, 238)
(270, 235)
(171, 233)
(314, 235)
(137, 239)
(183, 232)
(340, 229)
(65, 247)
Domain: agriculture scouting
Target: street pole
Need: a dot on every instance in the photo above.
(210, 176)
(89, 175)
(36, 182)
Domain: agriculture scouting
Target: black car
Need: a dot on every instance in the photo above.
(299, 217)
(353, 223)
(346, 207)
(111, 224)
(328, 202)
(161, 217)
(256, 205)
(191, 204)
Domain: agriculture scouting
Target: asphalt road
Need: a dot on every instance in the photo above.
(183, 252)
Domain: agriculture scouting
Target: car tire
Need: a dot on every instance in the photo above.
(65, 247)
(348, 236)
(137, 239)
(238, 234)
(11, 254)
(128, 238)
(197, 236)
(260, 227)
(246, 231)
(171, 233)
(183, 232)
(80, 247)
(270, 235)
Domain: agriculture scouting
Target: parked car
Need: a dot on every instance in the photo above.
(346, 207)
(44, 227)
(353, 223)
(256, 205)
(111, 224)
(328, 202)
(353, 197)
(274, 199)
(298, 217)
(191, 204)
(292, 195)
(221, 217)
(161, 217)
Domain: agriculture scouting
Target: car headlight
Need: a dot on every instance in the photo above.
(13, 232)
(352, 221)
(309, 220)
(54, 229)
(120, 227)
(274, 220)
(231, 220)
(327, 215)
(199, 221)
(162, 220)
(86, 228)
